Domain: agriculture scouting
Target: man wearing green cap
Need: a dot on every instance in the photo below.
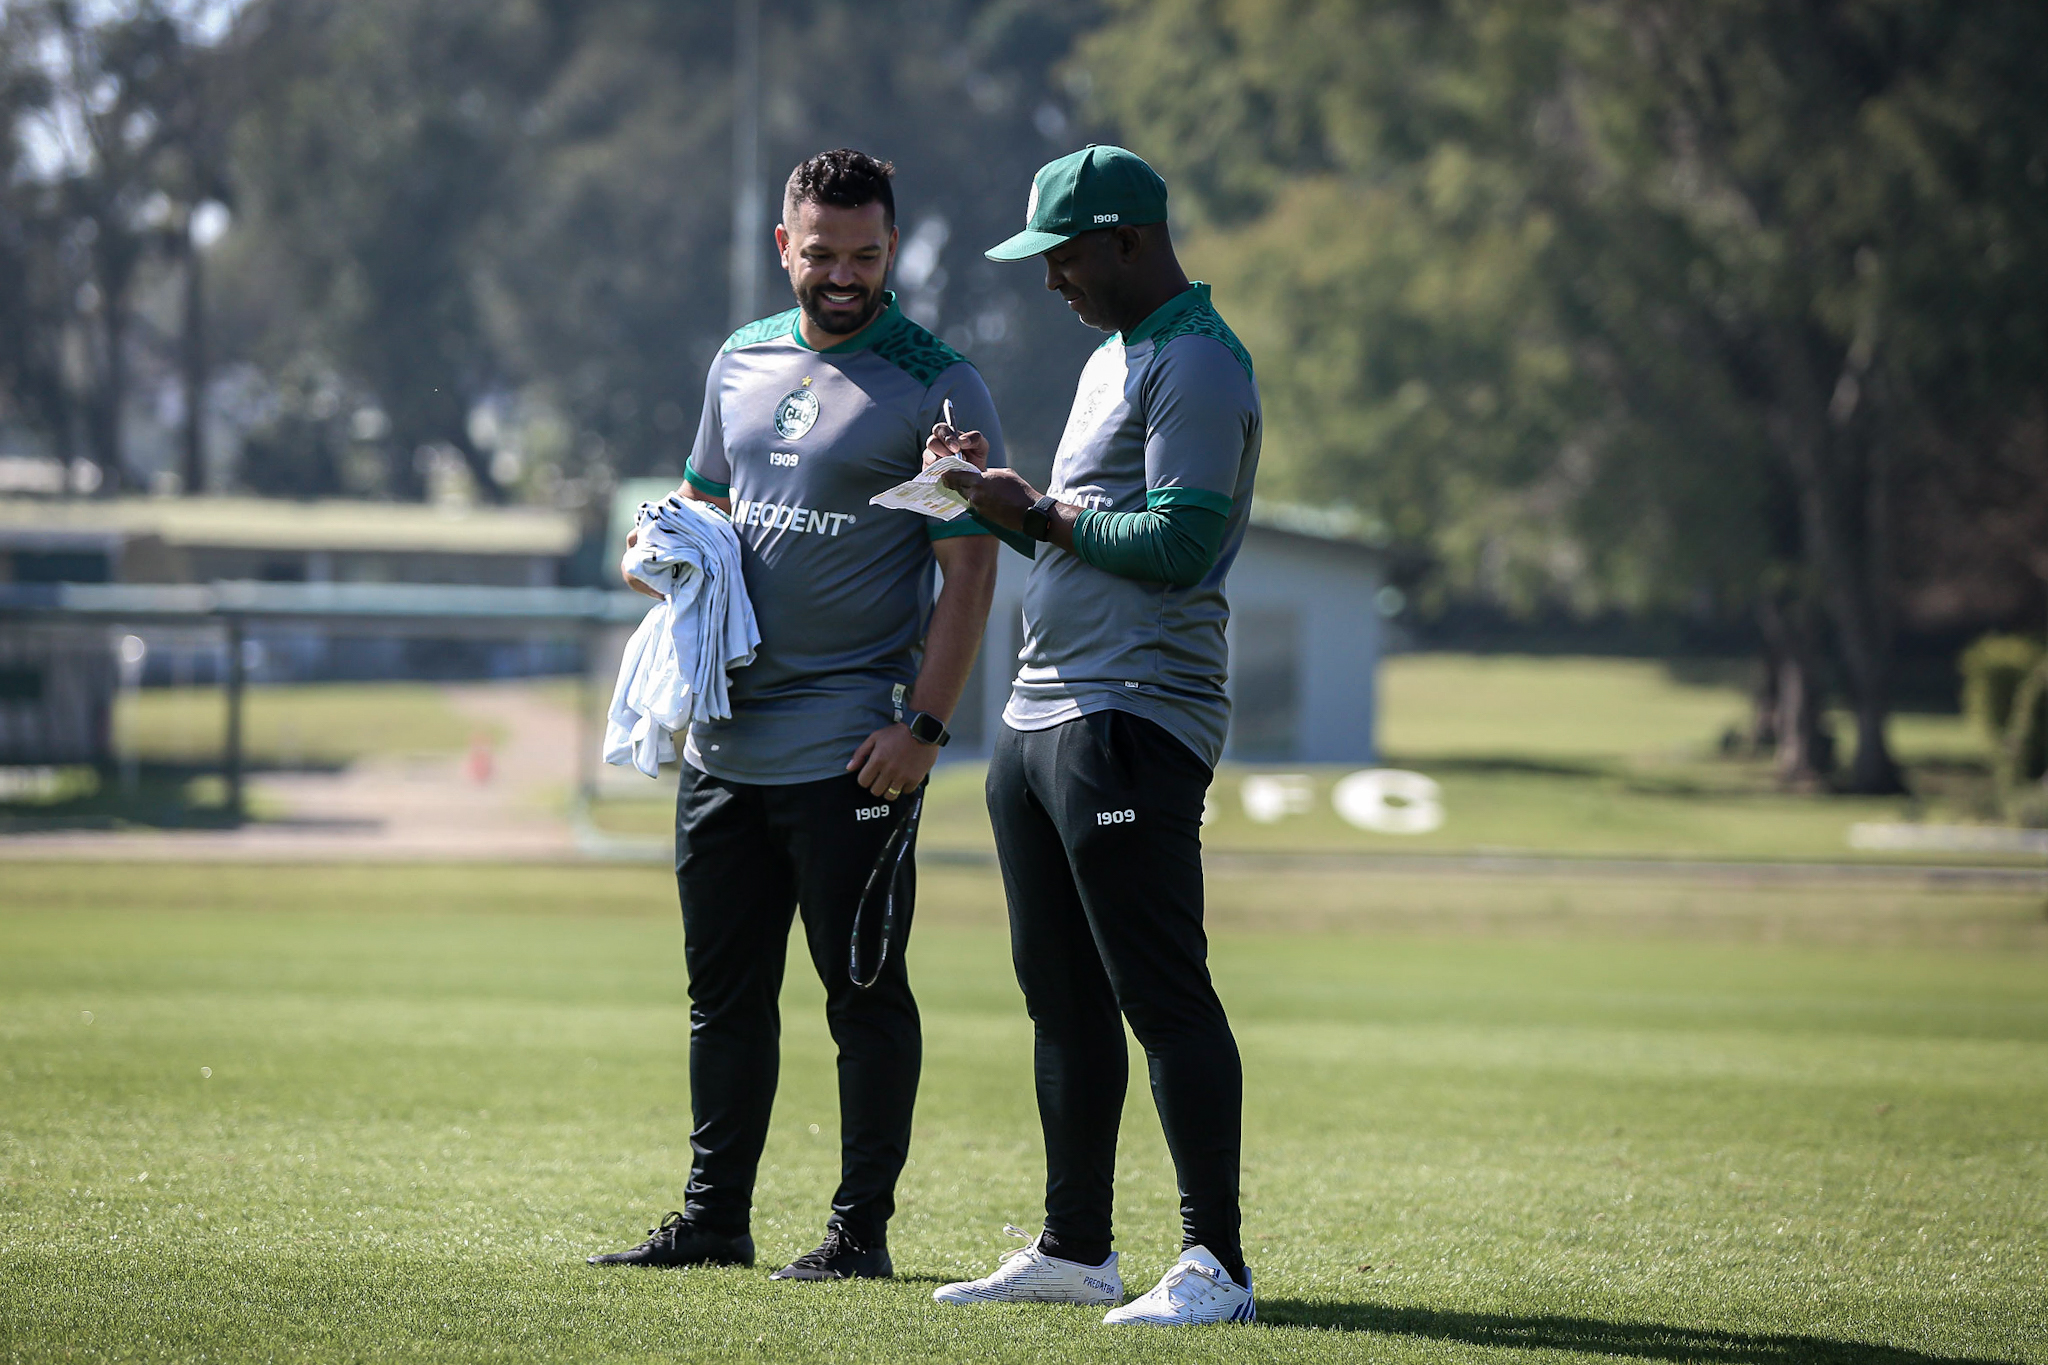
(1112, 732)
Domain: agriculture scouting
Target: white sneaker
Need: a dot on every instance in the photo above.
(1028, 1275)
(1196, 1290)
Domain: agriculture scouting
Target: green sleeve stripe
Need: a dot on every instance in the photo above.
(710, 487)
(1188, 497)
(1172, 545)
(958, 526)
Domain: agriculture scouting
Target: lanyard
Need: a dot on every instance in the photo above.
(882, 889)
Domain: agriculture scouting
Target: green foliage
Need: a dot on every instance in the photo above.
(1606, 305)
(2005, 693)
(1381, 232)
(471, 200)
(110, 136)
(375, 148)
(1992, 670)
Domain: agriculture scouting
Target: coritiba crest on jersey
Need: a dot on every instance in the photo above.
(797, 413)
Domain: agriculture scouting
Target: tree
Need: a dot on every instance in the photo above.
(1702, 283)
(98, 102)
(610, 286)
(377, 153)
(528, 205)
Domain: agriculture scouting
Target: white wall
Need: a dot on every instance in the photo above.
(1330, 586)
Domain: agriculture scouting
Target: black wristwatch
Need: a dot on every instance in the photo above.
(927, 728)
(1038, 520)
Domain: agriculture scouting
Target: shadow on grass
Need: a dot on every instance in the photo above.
(1525, 767)
(154, 795)
(1593, 1336)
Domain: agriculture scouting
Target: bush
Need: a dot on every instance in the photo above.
(1997, 670)
(1992, 669)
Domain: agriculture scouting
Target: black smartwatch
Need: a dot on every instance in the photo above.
(1038, 519)
(927, 728)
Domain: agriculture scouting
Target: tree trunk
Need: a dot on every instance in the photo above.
(192, 367)
(114, 256)
(1841, 471)
(109, 397)
(1763, 703)
(1805, 751)
(479, 463)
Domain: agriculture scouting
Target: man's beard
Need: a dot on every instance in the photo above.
(841, 324)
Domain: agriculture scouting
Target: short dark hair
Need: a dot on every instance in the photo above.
(844, 179)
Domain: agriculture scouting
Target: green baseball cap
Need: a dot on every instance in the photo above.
(1096, 187)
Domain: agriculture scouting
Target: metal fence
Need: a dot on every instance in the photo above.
(59, 670)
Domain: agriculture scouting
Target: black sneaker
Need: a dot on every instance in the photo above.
(839, 1258)
(678, 1242)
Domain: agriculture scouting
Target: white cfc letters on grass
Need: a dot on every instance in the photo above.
(1382, 800)
(1270, 798)
(1389, 801)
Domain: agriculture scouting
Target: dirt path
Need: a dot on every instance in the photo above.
(502, 801)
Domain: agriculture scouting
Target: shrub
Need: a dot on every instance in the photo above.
(1999, 670)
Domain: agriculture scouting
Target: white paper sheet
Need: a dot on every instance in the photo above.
(926, 494)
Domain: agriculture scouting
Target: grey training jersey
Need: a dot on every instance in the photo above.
(1166, 414)
(800, 440)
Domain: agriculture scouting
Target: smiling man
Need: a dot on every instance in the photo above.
(1111, 735)
(835, 724)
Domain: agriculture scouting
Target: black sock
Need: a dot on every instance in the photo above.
(1086, 1253)
(1232, 1262)
(863, 1238)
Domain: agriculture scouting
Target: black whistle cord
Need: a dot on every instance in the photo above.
(884, 881)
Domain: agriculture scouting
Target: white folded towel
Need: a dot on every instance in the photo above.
(674, 668)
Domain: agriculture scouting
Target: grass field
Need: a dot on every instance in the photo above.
(294, 725)
(1551, 756)
(367, 1113)
(1574, 756)
(170, 743)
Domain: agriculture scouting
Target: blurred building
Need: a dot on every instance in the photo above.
(198, 540)
(1306, 637)
(56, 694)
(203, 540)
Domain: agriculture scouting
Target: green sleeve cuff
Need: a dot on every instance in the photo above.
(1016, 540)
(1173, 544)
(709, 487)
(1157, 498)
(958, 526)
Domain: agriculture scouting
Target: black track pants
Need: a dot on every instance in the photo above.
(1098, 827)
(747, 857)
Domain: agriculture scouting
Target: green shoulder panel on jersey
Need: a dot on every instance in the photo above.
(1205, 322)
(916, 352)
(765, 329)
